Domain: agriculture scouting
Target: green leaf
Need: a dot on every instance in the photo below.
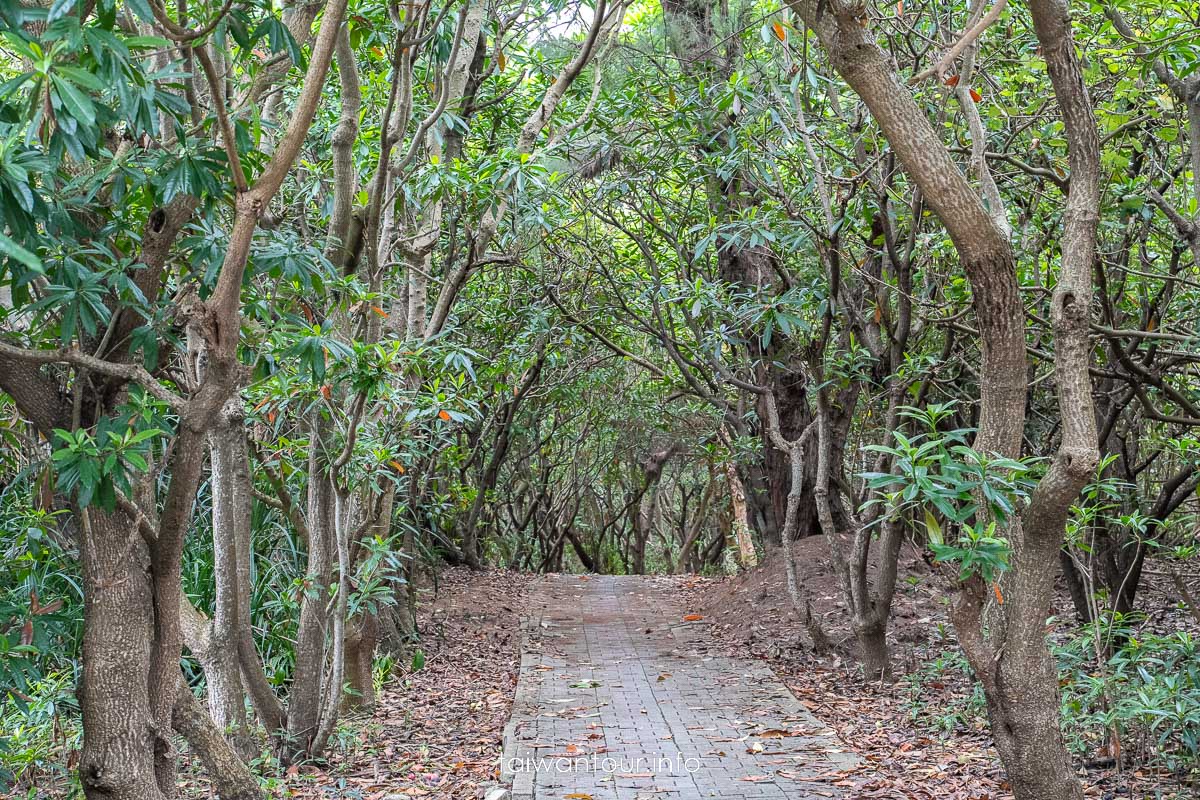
(59, 9)
(13, 250)
(76, 102)
(933, 528)
(142, 9)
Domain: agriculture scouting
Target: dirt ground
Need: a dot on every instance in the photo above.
(437, 731)
(915, 742)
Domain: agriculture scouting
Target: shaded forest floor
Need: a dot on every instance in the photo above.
(438, 731)
(923, 737)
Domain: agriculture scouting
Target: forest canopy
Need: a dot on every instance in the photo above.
(303, 302)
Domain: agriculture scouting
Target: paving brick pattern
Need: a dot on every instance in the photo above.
(620, 699)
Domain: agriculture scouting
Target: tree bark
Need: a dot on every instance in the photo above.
(121, 734)
(305, 696)
(232, 780)
(1017, 673)
(231, 485)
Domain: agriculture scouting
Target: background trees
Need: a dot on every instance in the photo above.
(298, 303)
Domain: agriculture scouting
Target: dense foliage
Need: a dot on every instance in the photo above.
(301, 301)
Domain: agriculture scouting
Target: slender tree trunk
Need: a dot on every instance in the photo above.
(740, 522)
(305, 697)
(364, 629)
(232, 780)
(231, 527)
(693, 530)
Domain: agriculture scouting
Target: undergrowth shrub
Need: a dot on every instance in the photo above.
(1142, 703)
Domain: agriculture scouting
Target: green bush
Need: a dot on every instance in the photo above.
(41, 728)
(1147, 693)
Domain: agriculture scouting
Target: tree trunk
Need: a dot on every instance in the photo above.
(747, 556)
(1012, 662)
(362, 635)
(873, 650)
(121, 737)
(694, 529)
(305, 697)
(232, 780)
(231, 527)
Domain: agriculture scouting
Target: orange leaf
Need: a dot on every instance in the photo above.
(379, 311)
(999, 596)
(326, 392)
(397, 465)
(780, 33)
(271, 417)
(501, 61)
(444, 415)
(899, 8)
(50, 607)
(692, 617)
(878, 314)
(976, 96)
(952, 80)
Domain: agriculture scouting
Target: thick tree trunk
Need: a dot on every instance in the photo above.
(873, 650)
(790, 391)
(121, 737)
(1021, 688)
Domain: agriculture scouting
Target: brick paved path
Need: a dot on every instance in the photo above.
(618, 700)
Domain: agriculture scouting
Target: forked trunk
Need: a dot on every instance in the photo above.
(873, 650)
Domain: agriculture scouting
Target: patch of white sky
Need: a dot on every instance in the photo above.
(576, 17)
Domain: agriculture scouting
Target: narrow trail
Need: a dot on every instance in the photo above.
(619, 700)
